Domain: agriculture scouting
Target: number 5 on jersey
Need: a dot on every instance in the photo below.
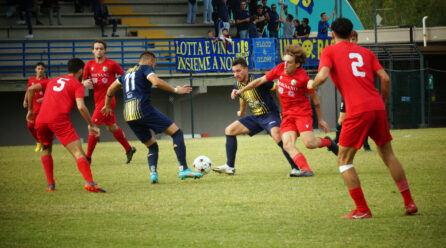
(356, 64)
(61, 82)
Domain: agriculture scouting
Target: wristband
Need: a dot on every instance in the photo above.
(175, 90)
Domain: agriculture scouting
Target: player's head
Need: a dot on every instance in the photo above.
(75, 67)
(294, 58)
(273, 7)
(305, 21)
(240, 69)
(40, 69)
(98, 48)
(296, 23)
(354, 37)
(147, 58)
(342, 28)
(323, 16)
(225, 31)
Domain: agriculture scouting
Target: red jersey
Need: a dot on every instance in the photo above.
(60, 96)
(102, 75)
(292, 89)
(38, 95)
(352, 69)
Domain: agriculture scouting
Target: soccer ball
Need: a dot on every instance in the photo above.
(202, 164)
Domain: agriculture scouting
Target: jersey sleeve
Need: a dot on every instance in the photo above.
(375, 63)
(118, 69)
(325, 59)
(79, 90)
(274, 73)
(305, 78)
(120, 79)
(270, 86)
(147, 70)
(86, 71)
(44, 83)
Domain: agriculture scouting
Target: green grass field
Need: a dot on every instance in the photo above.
(258, 207)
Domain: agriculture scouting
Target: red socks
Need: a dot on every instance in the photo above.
(403, 186)
(92, 141)
(324, 142)
(358, 198)
(301, 162)
(47, 162)
(119, 136)
(84, 168)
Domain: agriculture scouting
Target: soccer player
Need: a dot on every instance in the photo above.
(54, 118)
(142, 117)
(297, 115)
(39, 78)
(352, 69)
(265, 117)
(100, 73)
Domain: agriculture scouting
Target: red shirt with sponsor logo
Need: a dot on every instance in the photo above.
(102, 75)
(352, 69)
(60, 96)
(38, 95)
(292, 89)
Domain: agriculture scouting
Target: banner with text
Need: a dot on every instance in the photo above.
(208, 55)
(312, 46)
(264, 53)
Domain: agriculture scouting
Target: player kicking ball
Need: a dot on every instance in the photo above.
(352, 69)
(265, 117)
(142, 117)
(54, 118)
(297, 115)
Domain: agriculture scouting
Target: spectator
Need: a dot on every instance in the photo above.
(296, 26)
(10, 8)
(287, 23)
(303, 30)
(25, 6)
(101, 17)
(323, 25)
(225, 37)
(266, 9)
(252, 27)
(260, 21)
(191, 11)
(242, 21)
(234, 7)
(215, 15)
(274, 22)
(210, 35)
(252, 7)
(207, 11)
(53, 5)
(223, 16)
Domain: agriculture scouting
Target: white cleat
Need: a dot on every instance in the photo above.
(224, 169)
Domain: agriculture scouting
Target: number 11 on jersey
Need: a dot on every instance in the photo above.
(130, 79)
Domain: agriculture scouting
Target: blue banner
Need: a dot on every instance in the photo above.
(209, 55)
(263, 53)
(312, 46)
(307, 5)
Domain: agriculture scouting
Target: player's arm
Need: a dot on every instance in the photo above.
(111, 91)
(332, 13)
(385, 84)
(253, 84)
(159, 83)
(242, 111)
(317, 108)
(320, 78)
(31, 92)
(86, 115)
(281, 14)
(25, 100)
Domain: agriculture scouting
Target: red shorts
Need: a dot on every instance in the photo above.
(356, 128)
(298, 124)
(63, 130)
(98, 118)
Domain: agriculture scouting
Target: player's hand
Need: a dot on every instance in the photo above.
(30, 116)
(25, 105)
(310, 84)
(87, 83)
(185, 89)
(95, 130)
(106, 111)
(235, 93)
(324, 126)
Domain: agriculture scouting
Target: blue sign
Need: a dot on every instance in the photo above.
(264, 55)
(312, 46)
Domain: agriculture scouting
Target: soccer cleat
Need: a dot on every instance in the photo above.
(367, 149)
(153, 177)
(294, 173)
(88, 159)
(356, 214)
(51, 187)
(129, 154)
(224, 169)
(92, 187)
(188, 173)
(410, 209)
(301, 173)
(333, 146)
(39, 147)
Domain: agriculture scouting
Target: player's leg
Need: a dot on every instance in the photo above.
(366, 145)
(289, 144)
(305, 127)
(98, 119)
(46, 137)
(339, 126)
(275, 134)
(110, 124)
(33, 131)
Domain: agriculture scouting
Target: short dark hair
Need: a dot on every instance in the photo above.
(40, 63)
(100, 42)
(273, 5)
(147, 55)
(323, 13)
(305, 20)
(74, 65)
(342, 27)
(240, 61)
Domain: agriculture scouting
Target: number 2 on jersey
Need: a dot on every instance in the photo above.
(356, 64)
(130, 79)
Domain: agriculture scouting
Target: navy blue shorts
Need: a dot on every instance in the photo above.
(258, 123)
(156, 121)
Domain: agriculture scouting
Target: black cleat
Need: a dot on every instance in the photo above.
(367, 149)
(130, 153)
(88, 159)
(333, 146)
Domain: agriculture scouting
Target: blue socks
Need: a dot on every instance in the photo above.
(287, 156)
(180, 149)
(152, 157)
(231, 150)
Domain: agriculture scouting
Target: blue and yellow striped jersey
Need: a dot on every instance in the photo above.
(259, 100)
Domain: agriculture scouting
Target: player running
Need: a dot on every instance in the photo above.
(60, 95)
(265, 117)
(39, 78)
(352, 69)
(100, 73)
(142, 117)
(297, 115)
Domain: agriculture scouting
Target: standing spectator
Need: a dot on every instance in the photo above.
(234, 6)
(287, 23)
(252, 28)
(223, 16)
(252, 7)
(242, 21)
(25, 6)
(303, 30)
(207, 12)
(266, 9)
(53, 5)
(274, 22)
(101, 17)
(323, 25)
(191, 11)
(260, 22)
